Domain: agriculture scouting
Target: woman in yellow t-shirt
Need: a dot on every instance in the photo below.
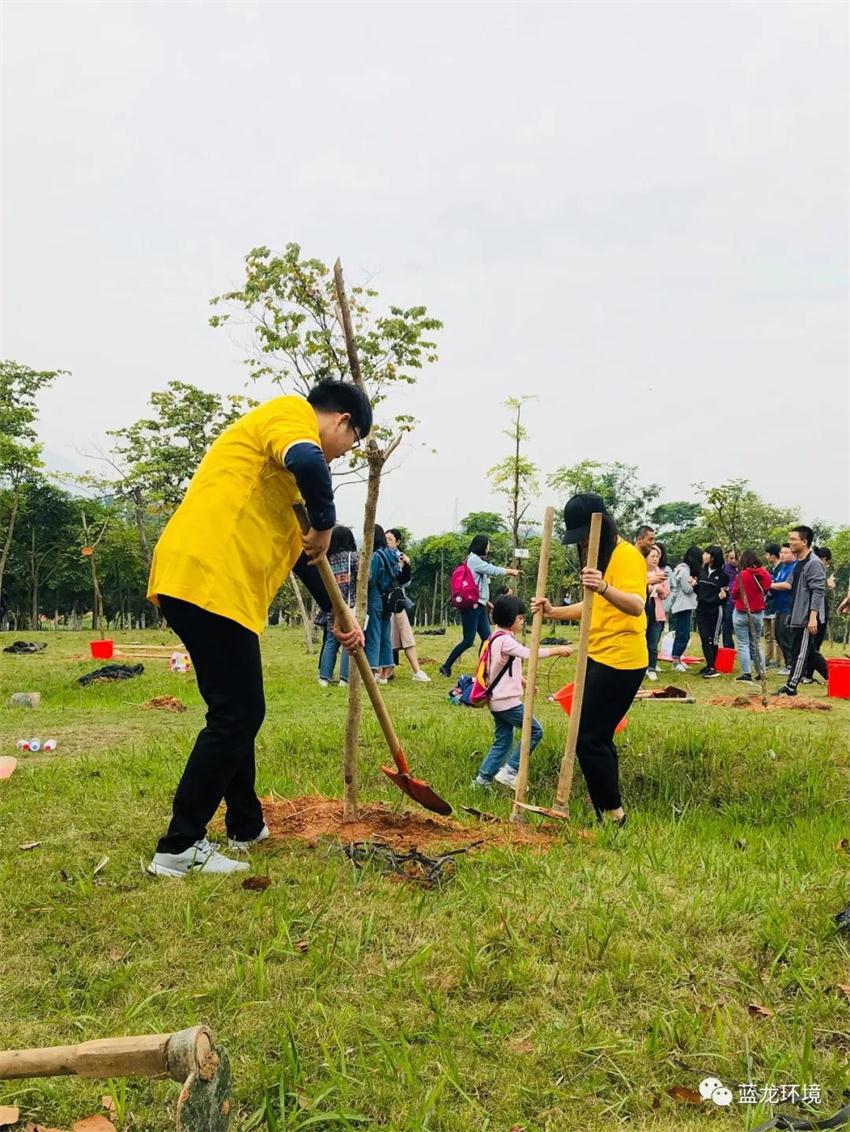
(617, 654)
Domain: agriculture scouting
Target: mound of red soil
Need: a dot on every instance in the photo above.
(781, 703)
(313, 816)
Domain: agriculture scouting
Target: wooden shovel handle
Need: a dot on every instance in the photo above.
(146, 1055)
(342, 614)
(565, 778)
(531, 675)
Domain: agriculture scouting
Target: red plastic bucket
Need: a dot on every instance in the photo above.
(101, 650)
(565, 699)
(838, 679)
(724, 661)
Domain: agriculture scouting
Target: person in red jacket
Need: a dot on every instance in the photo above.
(756, 582)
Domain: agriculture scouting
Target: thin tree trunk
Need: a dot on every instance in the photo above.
(305, 620)
(10, 530)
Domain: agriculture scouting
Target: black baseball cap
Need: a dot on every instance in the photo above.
(577, 512)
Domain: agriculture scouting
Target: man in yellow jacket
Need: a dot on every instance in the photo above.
(221, 559)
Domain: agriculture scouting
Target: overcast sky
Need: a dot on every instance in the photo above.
(637, 212)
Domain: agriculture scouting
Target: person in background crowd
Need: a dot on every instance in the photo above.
(780, 593)
(683, 602)
(645, 539)
(385, 574)
(657, 592)
(476, 620)
(825, 555)
(771, 644)
(711, 593)
(617, 655)
(731, 571)
(342, 556)
(808, 589)
(401, 631)
(756, 582)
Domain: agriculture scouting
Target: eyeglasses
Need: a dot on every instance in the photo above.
(357, 436)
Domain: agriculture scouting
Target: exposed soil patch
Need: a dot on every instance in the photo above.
(166, 703)
(781, 703)
(313, 816)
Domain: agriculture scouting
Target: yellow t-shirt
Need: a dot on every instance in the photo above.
(615, 638)
(233, 540)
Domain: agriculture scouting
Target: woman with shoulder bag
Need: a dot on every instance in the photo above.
(684, 602)
(401, 606)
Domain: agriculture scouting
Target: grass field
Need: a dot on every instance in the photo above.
(570, 988)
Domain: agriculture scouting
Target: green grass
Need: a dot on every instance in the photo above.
(550, 990)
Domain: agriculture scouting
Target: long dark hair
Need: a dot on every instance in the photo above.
(608, 536)
(715, 557)
(380, 542)
(479, 546)
(693, 560)
(662, 549)
(396, 533)
(749, 560)
(506, 609)
(342, 541)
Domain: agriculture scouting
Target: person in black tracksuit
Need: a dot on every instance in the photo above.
(711, 594)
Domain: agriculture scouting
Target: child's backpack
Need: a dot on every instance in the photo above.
(464, 588)
(474, 691)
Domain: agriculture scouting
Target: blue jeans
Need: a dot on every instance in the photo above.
(654, 629)
(728, 636)
(472, 621)
(746, 645)
(500, 753)
(379, 650)
(680, 623)
(327, 660)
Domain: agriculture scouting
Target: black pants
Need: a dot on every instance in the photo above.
(709, 623)
(608, 692)
(226, 658)
(817, 641)
(784, 637)
(806, 657)
(472, 621)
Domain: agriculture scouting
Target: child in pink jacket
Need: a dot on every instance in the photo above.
(501, 763)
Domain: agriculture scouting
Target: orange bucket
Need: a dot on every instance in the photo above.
(101, 650)
(565, 699)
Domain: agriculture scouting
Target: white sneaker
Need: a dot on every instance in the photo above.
(680, 667)
(421, 677)
(506, 777)
(381, 680)
(343, 683)
(244, 846)
(484, 783)
(202, 857)
(651, 674)
(323, 683)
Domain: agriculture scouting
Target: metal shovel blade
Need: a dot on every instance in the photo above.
(418, 790)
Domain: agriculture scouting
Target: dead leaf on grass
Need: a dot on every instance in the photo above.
(517, 1128)
(108, 1103)
(30, 1127)
(9, 1114)
(844, 988)
(842, 846)
(93, 1124)
(101, 864)
(256, 884)
(685, 1095)
(758, 1011)
(301, 945)
(115, 954)
(521, 1045)
(29, 845)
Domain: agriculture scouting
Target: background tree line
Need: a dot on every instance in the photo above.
(288, 311)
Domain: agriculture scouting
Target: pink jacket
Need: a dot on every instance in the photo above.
(508, 693)
(658, 581)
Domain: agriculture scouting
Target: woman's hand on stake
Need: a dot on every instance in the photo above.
(541, 603)
(592, 579)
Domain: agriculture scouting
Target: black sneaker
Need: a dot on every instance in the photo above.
(710, 673)
(785, 691)
(445, 672)
(747, 679)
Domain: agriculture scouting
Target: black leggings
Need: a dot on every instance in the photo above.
(709, 623)
(608, 692)
(226, 659)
